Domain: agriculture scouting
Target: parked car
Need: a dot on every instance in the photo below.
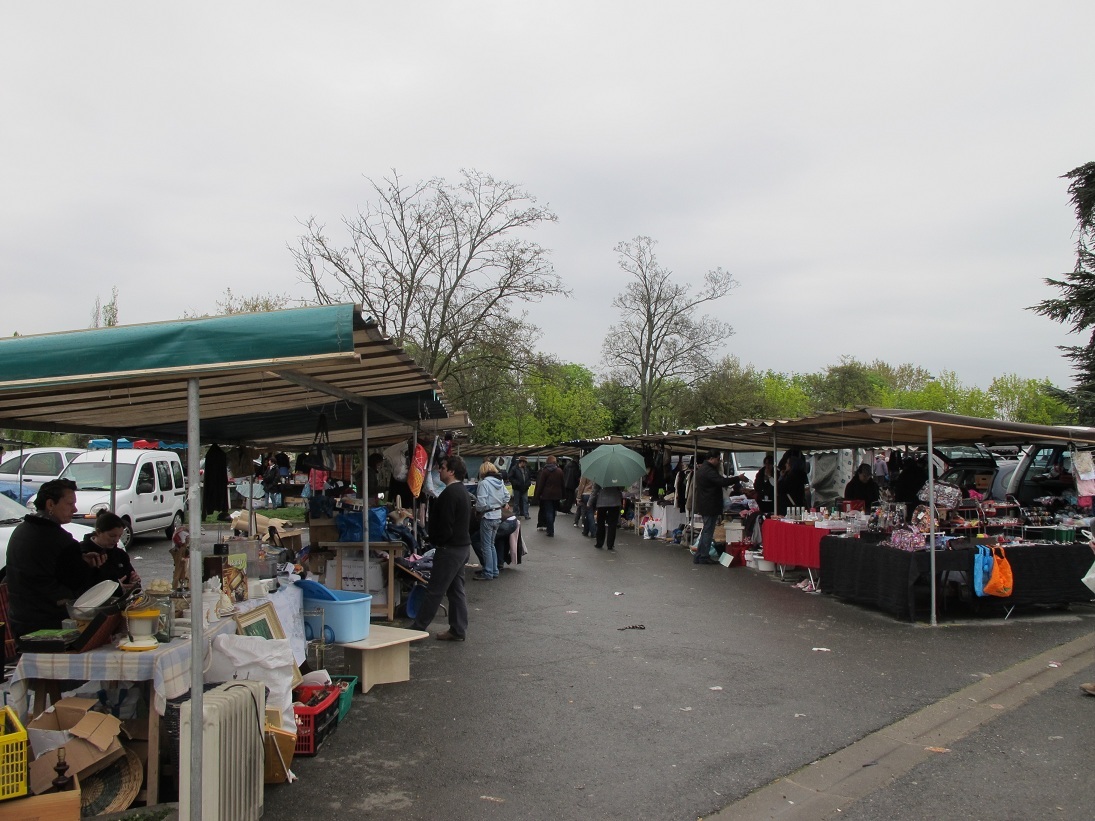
(150, 489)
(1044, 470)
(31, 468)
(12, 513)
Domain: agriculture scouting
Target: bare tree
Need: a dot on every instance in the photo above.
(660, 339)
(105, 316)
(440, 267)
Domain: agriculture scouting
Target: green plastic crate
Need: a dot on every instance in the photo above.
(346, 697)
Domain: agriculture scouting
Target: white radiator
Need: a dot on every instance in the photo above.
(232, 752)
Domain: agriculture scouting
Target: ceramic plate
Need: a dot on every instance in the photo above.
(97, 595)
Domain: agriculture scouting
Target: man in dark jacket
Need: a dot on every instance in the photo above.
(549, 490)
(709, 485)
(520, 478)
(46, 567)
(450, 515)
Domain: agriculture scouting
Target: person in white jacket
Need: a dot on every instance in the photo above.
(490, 498)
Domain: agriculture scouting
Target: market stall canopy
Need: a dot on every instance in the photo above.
(860, 427)
(265, 379)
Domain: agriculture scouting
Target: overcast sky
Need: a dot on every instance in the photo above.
(882, 179)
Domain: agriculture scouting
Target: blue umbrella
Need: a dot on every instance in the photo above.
(613, 466)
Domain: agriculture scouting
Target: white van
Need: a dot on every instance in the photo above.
(150, 495)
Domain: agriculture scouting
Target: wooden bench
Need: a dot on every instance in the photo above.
(383, 657)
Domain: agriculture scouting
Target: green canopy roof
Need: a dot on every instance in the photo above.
(264, 378)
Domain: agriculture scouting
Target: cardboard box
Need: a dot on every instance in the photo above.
(90, 740)
(53, 806)
(322, 529)
(353, 575)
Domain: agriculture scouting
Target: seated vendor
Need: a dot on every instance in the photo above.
(109, 528)
(46, 566)
(863, 487)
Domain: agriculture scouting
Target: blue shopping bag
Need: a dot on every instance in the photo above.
(982, 569)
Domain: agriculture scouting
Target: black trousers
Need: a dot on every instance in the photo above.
(446, 579)
(608, 519)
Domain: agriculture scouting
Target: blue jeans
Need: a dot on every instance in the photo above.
(488, 529)
(707, 535)
(548, 506)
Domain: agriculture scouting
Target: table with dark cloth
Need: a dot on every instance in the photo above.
(791, 543)
(867, 572)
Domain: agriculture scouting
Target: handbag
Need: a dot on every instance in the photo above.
(320, 455)
(982, 569)
(1000, 583)
(946, 494)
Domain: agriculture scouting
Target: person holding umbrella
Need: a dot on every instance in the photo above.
(608, 504)
(709, 485)
(611, 468)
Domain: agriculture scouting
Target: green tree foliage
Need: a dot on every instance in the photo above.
(729, 393)
(622, 403)
(661, 339)
(1076, 304)
(847, 385)
(1029, 400)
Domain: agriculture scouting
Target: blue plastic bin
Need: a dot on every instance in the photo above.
(345, 619)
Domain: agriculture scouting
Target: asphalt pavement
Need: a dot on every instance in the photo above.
(740, 697)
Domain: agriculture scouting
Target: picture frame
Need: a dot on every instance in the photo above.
(262, 621)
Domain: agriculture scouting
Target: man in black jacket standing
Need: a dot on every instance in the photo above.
(46, 566)
(450, 517)
(709, 485)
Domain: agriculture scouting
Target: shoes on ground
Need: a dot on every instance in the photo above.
(1088, 688)
(612, 549)
(599, 546)
(482, 577)
(448, 635)
(702, 560)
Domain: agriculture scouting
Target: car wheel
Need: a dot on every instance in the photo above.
(176, 523)
(127, 535)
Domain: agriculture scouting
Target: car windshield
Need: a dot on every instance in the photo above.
(96, 475)
(11, 510)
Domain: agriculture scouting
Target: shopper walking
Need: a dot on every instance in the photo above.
(549, 490)
(520, 478)
(609, 500)
(450, 517)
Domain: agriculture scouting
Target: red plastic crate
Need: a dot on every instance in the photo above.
(314, 724)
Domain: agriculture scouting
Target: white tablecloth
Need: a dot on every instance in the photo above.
(288, 603)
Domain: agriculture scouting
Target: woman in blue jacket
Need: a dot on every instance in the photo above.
(490, 497)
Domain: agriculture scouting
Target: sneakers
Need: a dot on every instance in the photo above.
(482, 577)
(1088, 688)
(448, 635)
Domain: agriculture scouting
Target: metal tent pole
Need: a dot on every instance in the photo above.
(365, 482)
(931, 526)
(197, 634)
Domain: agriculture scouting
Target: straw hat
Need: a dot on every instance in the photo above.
(112, 789)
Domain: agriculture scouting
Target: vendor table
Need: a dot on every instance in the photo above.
(864, 571)
(792, 543)
(382, 657)
(164, 672)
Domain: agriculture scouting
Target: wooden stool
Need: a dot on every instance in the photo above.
(383, 657)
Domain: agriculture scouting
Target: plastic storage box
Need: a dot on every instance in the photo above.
(345, 619)
(13, 755)
(345, 700)
(315, 723)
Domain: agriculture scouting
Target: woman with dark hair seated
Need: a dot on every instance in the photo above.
(863, 488)
(116, 566)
